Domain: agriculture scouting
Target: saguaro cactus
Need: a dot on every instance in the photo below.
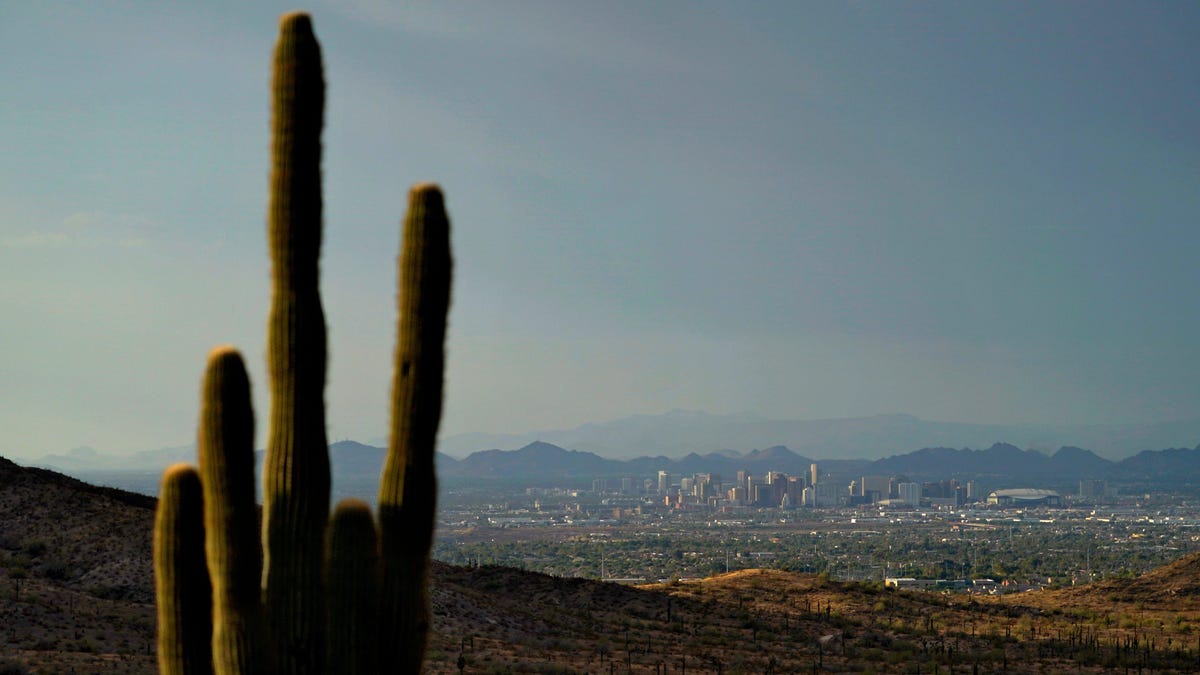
(352, 571)
(408, 490)
(296, 471)
(226, 447)
(333, 596)
(182, 590)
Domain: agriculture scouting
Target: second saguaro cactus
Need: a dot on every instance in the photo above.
(226, 447)
(317, 595)
(408, 490)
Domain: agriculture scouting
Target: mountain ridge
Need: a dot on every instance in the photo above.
(1000, 462)
(678, 432)
(356, 466)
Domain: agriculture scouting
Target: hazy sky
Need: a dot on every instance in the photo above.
(967, 211)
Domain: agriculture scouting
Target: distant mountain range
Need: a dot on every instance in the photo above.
(693, 442)
(356, 467)
(1000, 463)
(679, 432)
(86, 459)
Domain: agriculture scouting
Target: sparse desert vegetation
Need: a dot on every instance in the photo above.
(503, 620)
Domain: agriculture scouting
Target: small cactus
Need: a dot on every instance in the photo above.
(226, 448)
(352, 591)
(318, 595)
(183, 595)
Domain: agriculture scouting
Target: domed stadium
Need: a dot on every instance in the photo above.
(1024, 497)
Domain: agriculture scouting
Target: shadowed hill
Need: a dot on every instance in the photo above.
(75, 585)
(86, 537)
(76, 582)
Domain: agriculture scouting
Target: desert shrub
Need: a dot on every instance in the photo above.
(870, 587)
(9, 667)
(111, 592)
(875, 639)
(85, 645)
(54, 569)
(33, 547)
(740, 667)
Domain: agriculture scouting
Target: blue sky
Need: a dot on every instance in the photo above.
(980, 212)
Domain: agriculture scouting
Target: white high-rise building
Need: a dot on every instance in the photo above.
(686, 486)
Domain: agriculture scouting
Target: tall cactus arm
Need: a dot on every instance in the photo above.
(408, 489)
(296, 472)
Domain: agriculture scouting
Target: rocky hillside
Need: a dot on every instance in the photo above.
(76, 584)
(1174, 585)
(83, 537)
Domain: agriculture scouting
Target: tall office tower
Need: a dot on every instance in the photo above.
(812, 471)
(1093, 488)
(664, 482)
(910, 493)
(752, 490)
(828, 494)
(875, 487)
(761, 495)
(795, 486)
